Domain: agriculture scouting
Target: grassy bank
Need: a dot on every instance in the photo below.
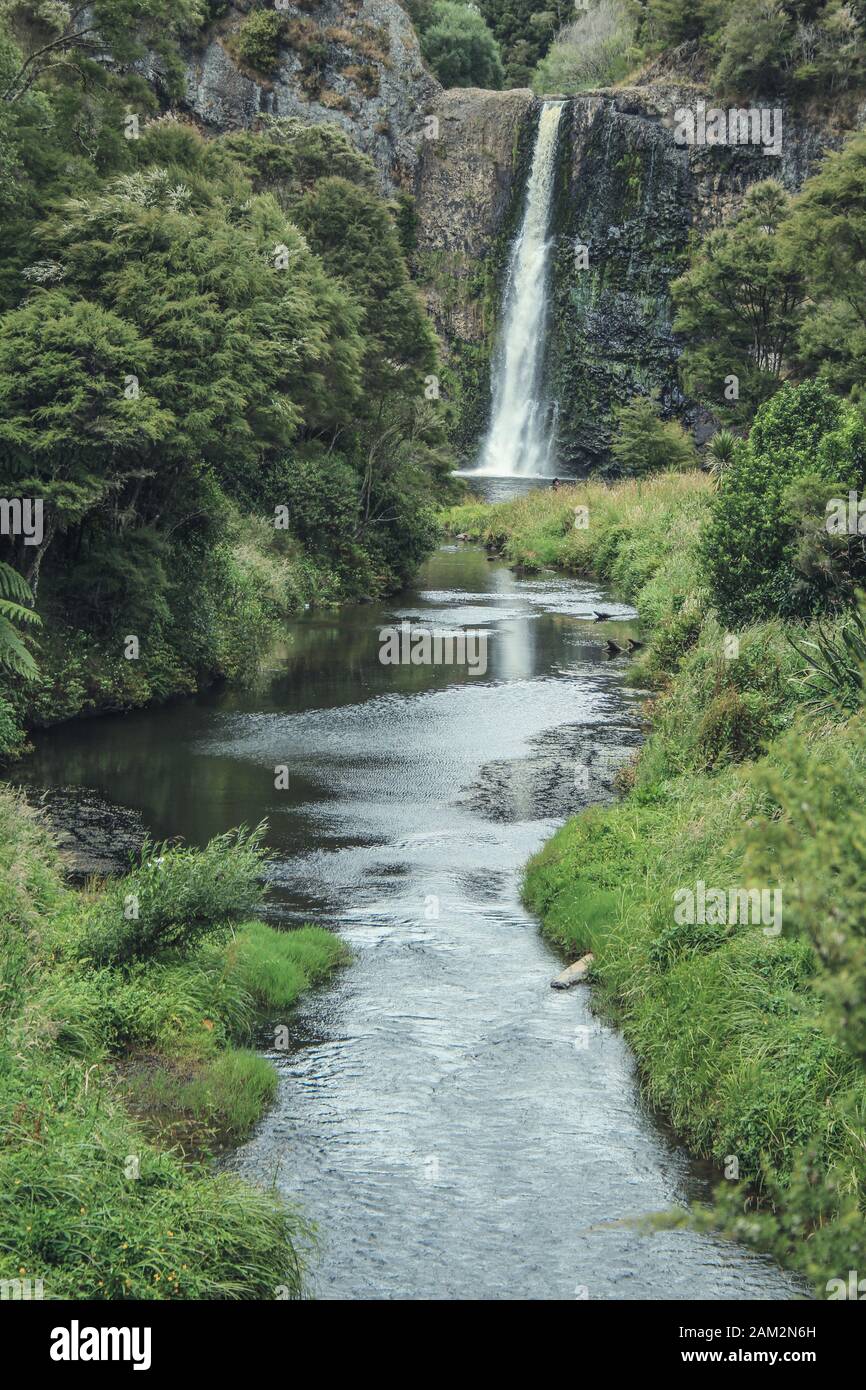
(128, 1014)
(752, 1042)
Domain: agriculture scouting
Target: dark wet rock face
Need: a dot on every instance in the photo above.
(96, 838)
(624, 193)
(632, 195)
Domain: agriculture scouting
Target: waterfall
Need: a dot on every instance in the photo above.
(519, 442)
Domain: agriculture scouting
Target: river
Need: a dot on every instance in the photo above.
(456, 1128)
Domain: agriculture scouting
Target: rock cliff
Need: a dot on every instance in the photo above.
(469, 185)
(353, 62)
(627, 191)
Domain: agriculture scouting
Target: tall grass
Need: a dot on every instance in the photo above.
(102, 1067)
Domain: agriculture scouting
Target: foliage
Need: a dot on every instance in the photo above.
(740, 305)
(594, 50)
(258, 39)
(802, 50)
(15, 596)
(293, 156)
(98, 1065)
(460, 48)
(836, 660)
(176, 898)
(753, 547)
(825, 235)
(203, 318)
(57, 38)
(720, 453)
(644, 443)
(524, 30)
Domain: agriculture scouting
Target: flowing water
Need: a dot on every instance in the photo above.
(457, 1128)
(520, 440)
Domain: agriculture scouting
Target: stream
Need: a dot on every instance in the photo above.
(456, 1128)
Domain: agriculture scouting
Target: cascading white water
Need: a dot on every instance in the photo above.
(519, 442)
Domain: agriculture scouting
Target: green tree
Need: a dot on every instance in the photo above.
(524, 30)
(756, 45)
(644, 443)
(460, 48)
(71, 430)
(250, 336)
(739, 306)
(354, 234)
(826, 235)
(768, 517)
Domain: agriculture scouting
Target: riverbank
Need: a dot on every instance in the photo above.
(128, 1015)
(215, 628)
(750, 1040)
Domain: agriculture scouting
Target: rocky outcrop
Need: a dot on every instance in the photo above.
(633, 195)
(628, 192)
(467, 174)
(625, 189)
(469, 191)
(356, 63)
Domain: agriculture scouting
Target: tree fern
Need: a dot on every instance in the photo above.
(14, 596)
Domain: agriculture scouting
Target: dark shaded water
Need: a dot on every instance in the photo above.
(457, 1128)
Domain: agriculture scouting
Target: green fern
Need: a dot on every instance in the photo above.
(15, 595)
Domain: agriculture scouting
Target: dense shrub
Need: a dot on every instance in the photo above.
(258, 39)
(176, 898)
(756, 546)
(460, 48)
(594, 50)
(644, 443)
